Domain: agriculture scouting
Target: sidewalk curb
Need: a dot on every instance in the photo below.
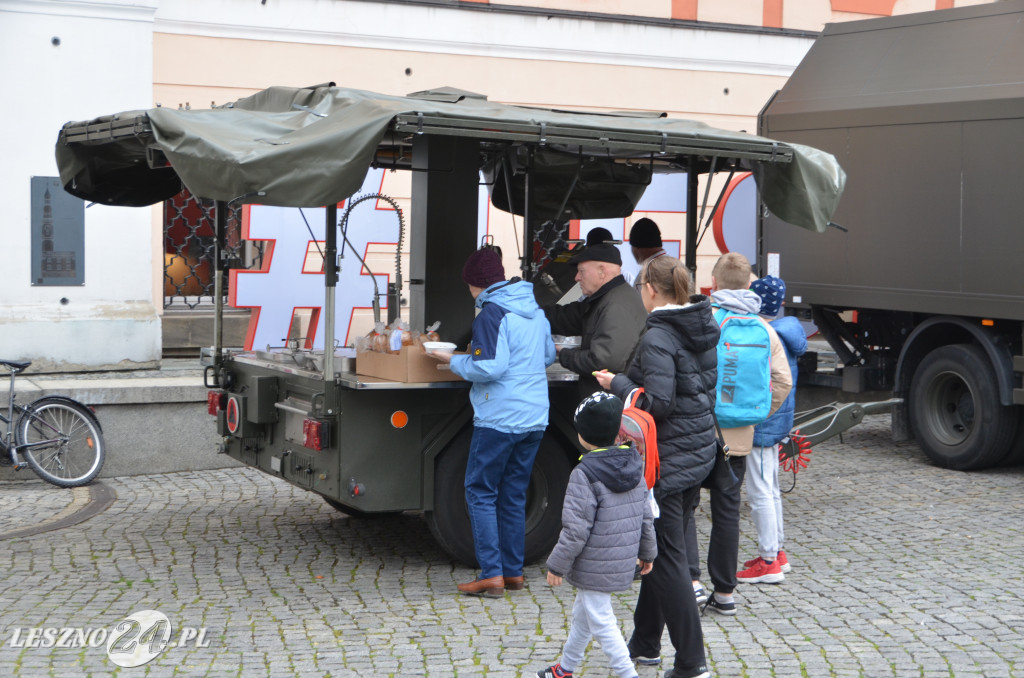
(87, 502)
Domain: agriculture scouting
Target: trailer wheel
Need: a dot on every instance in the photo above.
(449, 521)
(1016, 455)
(955, 411)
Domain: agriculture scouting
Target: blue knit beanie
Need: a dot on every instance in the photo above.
(772, 292)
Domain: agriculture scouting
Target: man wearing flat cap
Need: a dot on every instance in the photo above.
(645, 241)
(609, 319)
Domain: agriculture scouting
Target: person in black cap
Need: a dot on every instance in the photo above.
(609, 320)
(645, 240)
(599, 235)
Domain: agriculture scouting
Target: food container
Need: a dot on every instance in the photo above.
(566, 342)
(442, 346)
(411, 365)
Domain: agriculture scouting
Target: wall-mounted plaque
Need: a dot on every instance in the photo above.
(58, 234)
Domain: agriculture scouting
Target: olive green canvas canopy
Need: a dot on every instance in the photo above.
(304, 147)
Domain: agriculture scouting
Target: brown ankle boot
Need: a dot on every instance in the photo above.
(494, 587)
(514, 583)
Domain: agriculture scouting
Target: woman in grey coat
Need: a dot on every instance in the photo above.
(606, 525)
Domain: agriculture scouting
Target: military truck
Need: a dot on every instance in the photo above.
(918, 288)
(372, 446)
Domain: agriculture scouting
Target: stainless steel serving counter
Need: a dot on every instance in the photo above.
(309, 365)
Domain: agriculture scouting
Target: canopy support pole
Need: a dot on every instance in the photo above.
(330, 288)
(528, 266)
(220, 227)
(691, 220)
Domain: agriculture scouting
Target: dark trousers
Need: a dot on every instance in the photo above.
(724, 544)
(666, 597)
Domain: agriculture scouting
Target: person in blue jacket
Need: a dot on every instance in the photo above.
(762, 476)
(509, 354)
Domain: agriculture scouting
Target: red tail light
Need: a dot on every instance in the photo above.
(216, 401)
(315, 434)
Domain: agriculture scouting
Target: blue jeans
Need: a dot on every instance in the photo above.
(497, 475)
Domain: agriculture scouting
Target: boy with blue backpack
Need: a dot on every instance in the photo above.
(753, 381)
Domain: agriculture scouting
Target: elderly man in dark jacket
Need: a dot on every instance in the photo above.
(607, 523)
(609, 320)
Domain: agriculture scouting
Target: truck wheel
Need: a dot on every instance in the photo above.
(449, 521)
(955, 411)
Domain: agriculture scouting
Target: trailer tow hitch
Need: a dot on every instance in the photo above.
(820, 424)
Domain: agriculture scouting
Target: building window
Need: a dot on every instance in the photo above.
(189, 250)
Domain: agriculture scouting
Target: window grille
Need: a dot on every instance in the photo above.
(189, 250)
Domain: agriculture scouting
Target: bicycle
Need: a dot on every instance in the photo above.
(59, 437)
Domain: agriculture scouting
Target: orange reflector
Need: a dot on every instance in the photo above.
(399, 419)
(988, 323)
(88, 441)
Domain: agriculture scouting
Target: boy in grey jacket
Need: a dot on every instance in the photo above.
(606, 525)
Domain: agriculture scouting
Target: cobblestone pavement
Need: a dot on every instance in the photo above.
(899, 569)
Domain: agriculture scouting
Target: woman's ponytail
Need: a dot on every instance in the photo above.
(668, 276)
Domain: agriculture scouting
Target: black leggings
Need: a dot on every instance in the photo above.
(666, 597)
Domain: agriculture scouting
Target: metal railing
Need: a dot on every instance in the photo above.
(189, 250)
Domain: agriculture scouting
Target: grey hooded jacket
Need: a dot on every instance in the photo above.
(606, 522)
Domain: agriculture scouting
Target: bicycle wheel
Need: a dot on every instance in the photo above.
(66, 442)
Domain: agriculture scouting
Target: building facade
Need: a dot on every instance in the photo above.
(717, 61)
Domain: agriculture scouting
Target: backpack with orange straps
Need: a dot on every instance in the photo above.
(638, 428)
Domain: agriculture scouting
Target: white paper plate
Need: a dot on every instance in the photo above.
(431, 346)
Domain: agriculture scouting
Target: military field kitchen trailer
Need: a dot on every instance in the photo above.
(371, 445)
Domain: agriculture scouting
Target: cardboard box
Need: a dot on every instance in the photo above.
(412, 364)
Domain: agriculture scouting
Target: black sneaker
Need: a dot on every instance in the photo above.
(645, 660)
(718, 606)
(555, 671)
(699, 672)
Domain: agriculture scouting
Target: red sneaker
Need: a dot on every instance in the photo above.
(761, 572)
(781, 559)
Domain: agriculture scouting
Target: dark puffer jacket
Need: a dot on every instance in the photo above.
(606, 522)
(676, 363)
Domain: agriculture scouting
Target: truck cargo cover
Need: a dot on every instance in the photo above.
(951, 65)
(304, 147)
